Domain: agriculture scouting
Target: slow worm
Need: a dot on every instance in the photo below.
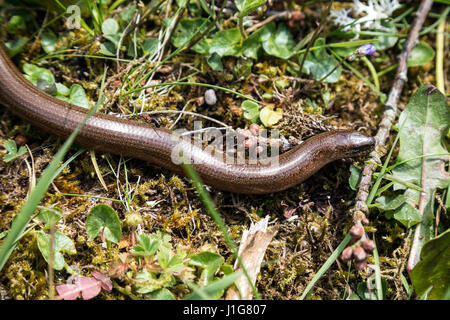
(137, 140)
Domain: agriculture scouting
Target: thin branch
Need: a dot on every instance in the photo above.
(389, 115)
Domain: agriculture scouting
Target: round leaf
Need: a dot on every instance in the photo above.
(103, 217)
(269, 117)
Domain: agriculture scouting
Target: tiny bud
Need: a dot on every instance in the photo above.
(21, 140)
(356, 232)
(255, 129)
(291, 23)
(259, 149)
(297, 15)
(210, 97)
(360, 265)
(244, 132)
(368, 245)
(347, 254)
(248, 143)
(359, 254)
(365, 221)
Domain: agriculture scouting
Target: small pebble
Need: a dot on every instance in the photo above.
(210, 97)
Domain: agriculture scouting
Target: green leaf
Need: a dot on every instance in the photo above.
(11, 147)
(433, 271)
(408, 215)
(161, 294)
(384, 42)
(108, 49)
(215, 62)
(251, 110)
(110, 26)
(146, 246)
(210, 262)
(421, 157)
(226, 43)
(366, 294)
(269, 116)
(355, 177)
(146, 282)
(103, 217)
(215, 289)
(62, 89)
(15, 24)
(34, 74)
(185, 31)
(48, 42)
(421, 54)
(423, 125)
(62, 243)
(127, 14)
(319, 63)
(277, 42)
(150, 45)
(246, 7)
(390, 202)
(16, 46)
(49, 217)
(252, 45)
(78, 97)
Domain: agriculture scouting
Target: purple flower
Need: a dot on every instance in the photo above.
(367, 50)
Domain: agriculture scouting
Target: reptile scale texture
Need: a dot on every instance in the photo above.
(134, 139)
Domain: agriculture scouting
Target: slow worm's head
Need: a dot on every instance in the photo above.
(354, 144)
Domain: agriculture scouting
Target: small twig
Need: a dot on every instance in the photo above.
(389, 115)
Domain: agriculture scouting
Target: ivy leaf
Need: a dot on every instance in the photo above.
(252, 45)
(319, 63)
(433, 271)
(15, 24)
(103, 218)
(226, 43)
(62, 243)
(277, 42)
(77, 96)
(246, 7)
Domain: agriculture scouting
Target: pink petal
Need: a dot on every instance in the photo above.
(67, 292)
(105, 281)
(89, 287)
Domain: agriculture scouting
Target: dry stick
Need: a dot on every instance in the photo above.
(389, 115)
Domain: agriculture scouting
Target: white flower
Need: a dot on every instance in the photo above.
(371, 14)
